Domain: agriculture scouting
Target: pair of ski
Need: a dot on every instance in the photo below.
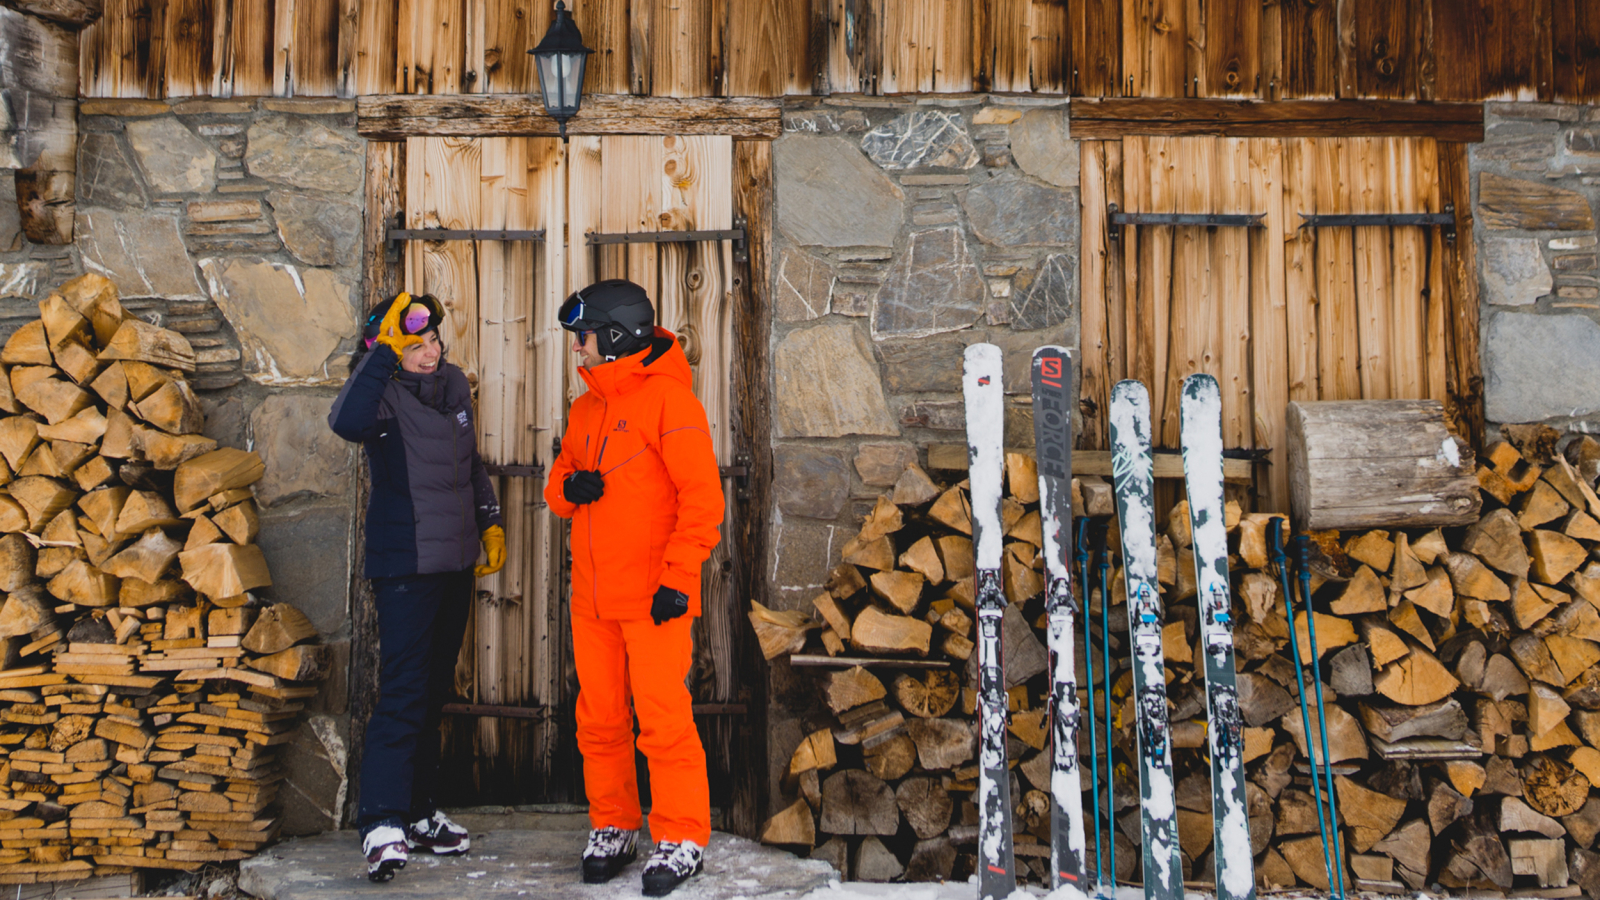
(1132, 464)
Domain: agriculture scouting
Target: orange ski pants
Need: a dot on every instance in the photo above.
(623, 660)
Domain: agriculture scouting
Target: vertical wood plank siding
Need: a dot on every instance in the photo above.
(1447, 50)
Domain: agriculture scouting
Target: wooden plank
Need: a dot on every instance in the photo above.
(1575, 30)
(314, 61)
(1193, 330)
(1338, 342)
(447, 172)
(1231, 64)
(1009, 55)
(473, 37)
(245, 30)
(1052, 52)
(1269, 333)
(1408, 269)
(398, 116)
(683, 46)
(1464, 374)
(1093, 55)
(953, 46)
(769, 51)
(1117, 275)
(150, 42)
(376, 46)
(511, 29)
(855, 45)
(1310, 49)
(385, 181)
(1435, 317)
(283, 46)
(1232, 294)
(586, 188)
(106, 45)
(190, 27)
(1153, 51)
(444, 35)
(1101, 119)
(1094, 345)
(1299, 267)
(1369, 191)
(1271, 50)
(604, 24)
(1385, 58)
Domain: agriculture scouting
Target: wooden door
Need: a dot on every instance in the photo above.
(1278, 311)
(511, 740)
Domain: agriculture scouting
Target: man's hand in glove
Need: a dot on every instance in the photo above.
(389, 333)
(494, 547)
(669, 604)
(583, 486)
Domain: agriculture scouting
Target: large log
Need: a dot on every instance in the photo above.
(224, 570)
(214, 472)
(1377, 464)
(854, 802)
(395, 117)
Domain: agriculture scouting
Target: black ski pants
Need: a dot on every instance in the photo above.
(421, 621)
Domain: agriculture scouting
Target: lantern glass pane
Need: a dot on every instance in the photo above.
(572, 82)
(550, 87)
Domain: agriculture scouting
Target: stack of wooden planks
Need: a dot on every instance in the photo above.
(1461, 670)
(143, 688)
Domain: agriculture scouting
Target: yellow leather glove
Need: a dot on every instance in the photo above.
(494, 546)
(389, 329)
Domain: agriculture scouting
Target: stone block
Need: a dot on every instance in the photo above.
(826, 121)
(309, 106)
(10, 218)
(1572, 242)
(207, 106)
(306, 153)
(922, 139)
(1011, 211)
(1044, 297)
(1514, 272)
(1584, 141)
(141, 252)
(317, 230)
(1016, 353)
(879, 463)
(225, 421)
(106, 176)
(313, 795)
(24, 279)
(304, 457)
(1042, 146)
(174, 160)
(927, 365)
(1541, 367)
(932, 287)
(826, 384)
(939, 415)
(307, 552)
(810, 482)
(996, 115)
(289, 320)
(802, 552)
(1505, 203)
(803, 286)
(223, 210)
(852, 298)
(111, 106)
(830, 195)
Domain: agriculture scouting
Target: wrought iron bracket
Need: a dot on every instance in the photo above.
(740, 473)
(1119, 219)
(512, 470)
(1445, 219)
(737, 234)
(399, 234)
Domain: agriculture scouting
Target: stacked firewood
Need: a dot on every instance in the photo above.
(143, 688)
(1459, 671)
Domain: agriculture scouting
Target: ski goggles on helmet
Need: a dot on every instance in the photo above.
(420, 315)
(573, 314)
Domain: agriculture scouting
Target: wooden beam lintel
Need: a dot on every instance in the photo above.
(1120, 117)
(392, 117)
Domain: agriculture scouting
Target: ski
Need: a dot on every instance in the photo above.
(1052, 441)
(985, 402)
(1132, 467)
(1201, 412)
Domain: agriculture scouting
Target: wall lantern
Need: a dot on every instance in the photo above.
(560, 58)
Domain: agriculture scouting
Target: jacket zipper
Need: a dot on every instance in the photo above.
(455, 475)
(594, 575)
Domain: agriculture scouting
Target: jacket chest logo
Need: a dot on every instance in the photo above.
(461, 419)
(622, 426)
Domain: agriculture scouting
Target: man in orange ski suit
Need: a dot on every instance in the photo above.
(638, 477)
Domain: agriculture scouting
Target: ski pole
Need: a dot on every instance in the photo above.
(1275, 535)
(1302, 546)
(1088, 661)
(1105, 657)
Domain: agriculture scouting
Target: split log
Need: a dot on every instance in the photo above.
(778, 631)
(54, 399)
(1409, 847)
(889, 756)
(875, 631)
(169, 451)
(877, 553)
(173, 408)
(240, 522)
(1553, 787)
(84, 585)
(214, 472)
(953, 511)
(923, 559)
(941, 743)
(929, 696)
(791, 826)
(1417, 680)
(913, 487)
(854, 802)
(87, 426)
(873, 862)
(815, 751)
(147, 559)
(1471, 578)
(846, 689)
(1362, 594)
(225, 570)
(1544, 859)
(142, 511)
(1368, 814)
(28, 345)
(1372, 548)
(307, 662)
(143, 342)
(901, 590)
(1555, 555)
(844, 582)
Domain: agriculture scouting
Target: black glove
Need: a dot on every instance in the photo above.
(583, 486)
(668, 605)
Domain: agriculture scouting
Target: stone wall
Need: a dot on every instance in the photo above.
(905, 230)
(238, 223)
(1536, 183)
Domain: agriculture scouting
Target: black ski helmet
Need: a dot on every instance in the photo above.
(618, 311)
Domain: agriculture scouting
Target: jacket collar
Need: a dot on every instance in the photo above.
(628, 374)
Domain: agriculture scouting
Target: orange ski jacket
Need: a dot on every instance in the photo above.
(643, 428)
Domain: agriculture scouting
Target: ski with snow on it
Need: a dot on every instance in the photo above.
(1201, 415)
(985, 407)
(1132, 468)
(1052, 439)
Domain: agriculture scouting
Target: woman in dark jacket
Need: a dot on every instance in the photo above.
(431, 505)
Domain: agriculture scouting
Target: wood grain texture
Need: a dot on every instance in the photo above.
(375, 46)
(1269, 334)
(1464, 367)
(190, 42)
(1094, 56)
(1299, 266)
(313, 60)
(1338, 334)
(244, 55)
(396, 116)
(1370, 193)
(511, 29)
(1004, 47)
(770, 49)
(1575, 31)
(1231, 64)
(1385, 50)
(1095, 263)
(1154, 55)
(1050, 54)
(1099, 119)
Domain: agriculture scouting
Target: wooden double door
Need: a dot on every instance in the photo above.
(510, 739)
(1275, 304)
